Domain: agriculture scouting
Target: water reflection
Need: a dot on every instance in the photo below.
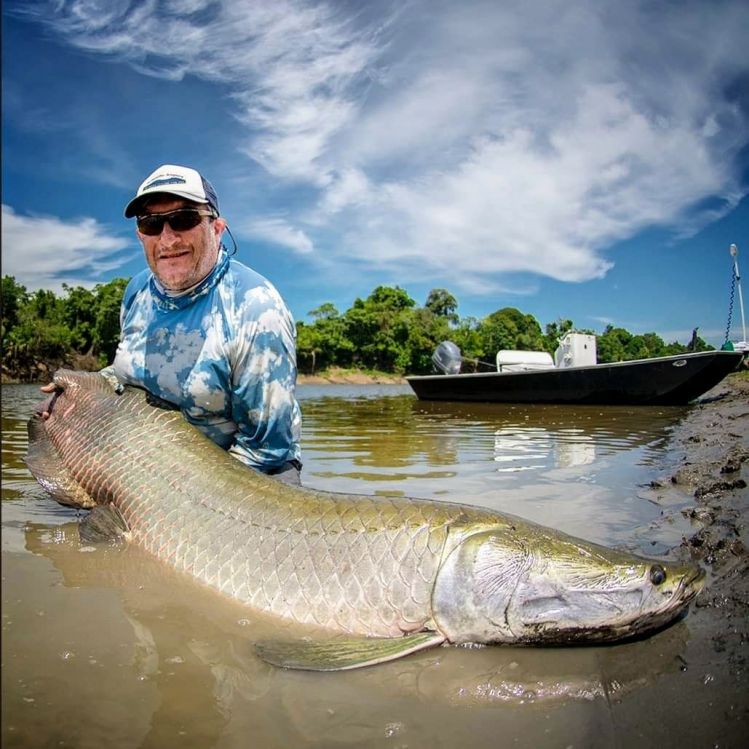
(529, 448)
(18, 403)
(383, 435)
(575, 468)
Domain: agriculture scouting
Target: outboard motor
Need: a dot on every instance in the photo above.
(447, 358)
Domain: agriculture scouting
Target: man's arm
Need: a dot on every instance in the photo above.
(263, 382)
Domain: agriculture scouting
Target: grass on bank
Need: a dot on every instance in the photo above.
(342, 375)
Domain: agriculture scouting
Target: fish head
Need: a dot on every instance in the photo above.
(522, 583)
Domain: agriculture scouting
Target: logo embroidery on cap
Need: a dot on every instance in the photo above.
(165, 181)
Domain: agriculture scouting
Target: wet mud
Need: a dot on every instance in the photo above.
(710, 448)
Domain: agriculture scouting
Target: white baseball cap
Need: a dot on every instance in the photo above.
(181, 181)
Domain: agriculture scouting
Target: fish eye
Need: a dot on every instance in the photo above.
(657, 574)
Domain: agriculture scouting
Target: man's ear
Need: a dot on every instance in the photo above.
(219, 225)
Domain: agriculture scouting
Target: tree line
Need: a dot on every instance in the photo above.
(42, 331)
(387, 332)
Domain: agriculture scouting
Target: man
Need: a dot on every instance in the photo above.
(205, 332)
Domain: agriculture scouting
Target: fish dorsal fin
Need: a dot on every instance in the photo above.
(342, 654)
(103, 523)
(48, 469)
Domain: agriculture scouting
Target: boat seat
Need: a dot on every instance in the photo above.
(509, 360)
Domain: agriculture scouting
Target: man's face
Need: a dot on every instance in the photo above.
(180, 259)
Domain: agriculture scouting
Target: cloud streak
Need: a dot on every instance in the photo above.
(465, 141)
(68, 252)
(280, 232)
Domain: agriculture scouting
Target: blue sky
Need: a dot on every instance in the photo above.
(581, 159)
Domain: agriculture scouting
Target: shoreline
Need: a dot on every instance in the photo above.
(711, 446)
(350, 377)
(711, 452)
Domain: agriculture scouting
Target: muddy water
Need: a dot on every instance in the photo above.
(105, 647)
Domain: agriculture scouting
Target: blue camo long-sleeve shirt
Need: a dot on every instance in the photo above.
(224, 352)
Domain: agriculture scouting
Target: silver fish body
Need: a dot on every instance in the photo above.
(393, 575)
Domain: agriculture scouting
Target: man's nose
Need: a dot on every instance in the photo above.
(168, 235)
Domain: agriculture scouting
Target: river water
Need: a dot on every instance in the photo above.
(106, 647)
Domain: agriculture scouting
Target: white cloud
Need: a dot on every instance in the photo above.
(288, 63)
(278, 231)
(348, 188)
(515, 205)
(463, 141)
(69, 252)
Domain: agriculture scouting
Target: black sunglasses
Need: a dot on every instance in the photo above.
(182, 219)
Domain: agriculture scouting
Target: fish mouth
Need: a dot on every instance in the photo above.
(689, 587)
(642, 625)
(675, 608)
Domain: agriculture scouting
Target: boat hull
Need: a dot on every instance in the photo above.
(666, 380)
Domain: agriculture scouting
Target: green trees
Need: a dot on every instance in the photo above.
(387, 331)
(442, 303)
(324, 343)
(618, 344)
(106, 332)
(555, 331)
(41, 331)
(33, 329)
(378, 328)
(509, 328)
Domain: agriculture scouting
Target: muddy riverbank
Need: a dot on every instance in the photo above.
(710, 449)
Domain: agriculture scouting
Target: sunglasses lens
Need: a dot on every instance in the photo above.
(182, 219)
(150, 225)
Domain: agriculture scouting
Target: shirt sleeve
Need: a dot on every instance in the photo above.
(263, 383)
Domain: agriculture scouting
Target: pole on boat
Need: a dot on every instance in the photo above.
(734, 250)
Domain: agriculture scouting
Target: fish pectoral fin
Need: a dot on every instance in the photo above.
(342, 654)
(47, 467)
(103, 523)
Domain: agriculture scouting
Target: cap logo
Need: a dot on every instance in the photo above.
(165, 181)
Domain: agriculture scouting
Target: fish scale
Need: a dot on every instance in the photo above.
(346, 563)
